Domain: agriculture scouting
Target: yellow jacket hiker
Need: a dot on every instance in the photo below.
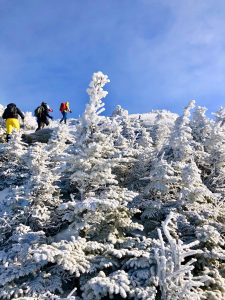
(11, 114)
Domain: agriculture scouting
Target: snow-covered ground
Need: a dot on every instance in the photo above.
(120, 207)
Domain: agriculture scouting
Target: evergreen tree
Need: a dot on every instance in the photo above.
(181, 140)
(73, 210)
(201, 125)
(14, 174)
(215, 148)
(92, 161)
(162, 130)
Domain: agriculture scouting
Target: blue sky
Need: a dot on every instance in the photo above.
(158, 54)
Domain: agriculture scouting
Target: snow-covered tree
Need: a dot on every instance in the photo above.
(14, 173)
(91, 165)
(120, 207)
(30, 122)
(201, 125)
(161, 130)
(181, 140)
(174, 273)
(193, 190)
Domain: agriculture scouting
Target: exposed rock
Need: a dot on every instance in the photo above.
(41, 136)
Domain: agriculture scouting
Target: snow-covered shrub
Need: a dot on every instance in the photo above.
(30, 122)
(175, 264)
(120, 207)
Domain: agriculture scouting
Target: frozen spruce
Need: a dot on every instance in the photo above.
(121, 207)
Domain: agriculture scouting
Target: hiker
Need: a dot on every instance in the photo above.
(42, 115)
(11, 114)
(64, 108)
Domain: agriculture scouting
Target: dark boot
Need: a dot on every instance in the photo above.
(8, 137)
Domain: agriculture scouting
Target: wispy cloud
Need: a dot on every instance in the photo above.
(188, 58)
(158, 54)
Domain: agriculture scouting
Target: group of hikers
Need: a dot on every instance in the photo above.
(12, 113)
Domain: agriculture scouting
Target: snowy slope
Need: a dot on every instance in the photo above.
(120, 207)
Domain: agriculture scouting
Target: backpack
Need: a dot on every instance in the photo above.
(39, 111)
(12, 110)
(62, 106)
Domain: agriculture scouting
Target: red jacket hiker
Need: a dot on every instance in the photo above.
(64, 108)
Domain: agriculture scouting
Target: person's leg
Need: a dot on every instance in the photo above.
(65, 116)
(39, 124)
(46, 122)
(11, 124)
(16, 124)
(42, 124)
(8, 137)
(62, 117)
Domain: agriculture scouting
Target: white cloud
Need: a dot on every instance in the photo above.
(190, 54)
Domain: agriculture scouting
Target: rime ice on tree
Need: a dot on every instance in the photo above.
(72, 211)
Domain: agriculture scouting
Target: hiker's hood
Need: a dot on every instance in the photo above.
(11, 104)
